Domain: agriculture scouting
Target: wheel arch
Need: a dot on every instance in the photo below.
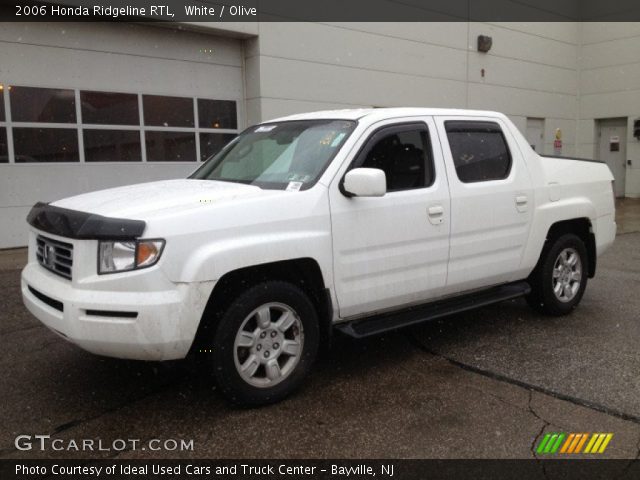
(583, 228)
(304, 272)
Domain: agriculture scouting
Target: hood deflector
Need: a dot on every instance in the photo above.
(82, 225)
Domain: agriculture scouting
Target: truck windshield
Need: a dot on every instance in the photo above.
(286, 155)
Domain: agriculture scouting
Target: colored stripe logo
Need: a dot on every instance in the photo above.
(572, 443)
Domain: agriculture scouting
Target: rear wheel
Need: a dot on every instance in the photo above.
(560, 278)
(265, 344)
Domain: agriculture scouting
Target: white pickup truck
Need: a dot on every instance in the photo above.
(358, 220)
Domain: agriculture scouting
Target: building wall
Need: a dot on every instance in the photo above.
(531, 70)
(114, 58)
(609, 87)
(569, 74)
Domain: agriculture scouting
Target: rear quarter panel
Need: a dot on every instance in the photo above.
(566, 189)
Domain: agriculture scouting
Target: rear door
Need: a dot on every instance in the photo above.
(491, 201)
(612, 148)
(535, 134)
(393, 250)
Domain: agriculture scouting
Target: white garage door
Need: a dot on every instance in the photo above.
(91, 106)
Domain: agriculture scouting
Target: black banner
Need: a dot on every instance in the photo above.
(319, 469)
(321, 10)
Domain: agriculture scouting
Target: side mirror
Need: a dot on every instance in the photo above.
(365, 182)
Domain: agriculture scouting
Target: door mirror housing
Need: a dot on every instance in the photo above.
(365, 182)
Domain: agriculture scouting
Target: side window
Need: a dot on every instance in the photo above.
(479, 149)
(403, 153)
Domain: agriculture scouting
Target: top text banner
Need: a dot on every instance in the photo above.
(322, 10)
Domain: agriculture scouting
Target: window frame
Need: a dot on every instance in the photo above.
(360, 156)
(199, 112)
(3, 130)
(70, 124)
(129, 125)
(70, 131)
(147, 121)
(4, 124)
(8, 124)
(89, 131)
(500, 129)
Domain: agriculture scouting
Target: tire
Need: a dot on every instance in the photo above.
(265, 344)
(560, 278)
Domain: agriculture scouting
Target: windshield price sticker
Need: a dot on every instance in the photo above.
(294, 186)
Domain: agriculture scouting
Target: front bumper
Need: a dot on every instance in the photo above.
(157, 321)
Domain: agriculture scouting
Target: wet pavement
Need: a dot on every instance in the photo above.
(628, 215)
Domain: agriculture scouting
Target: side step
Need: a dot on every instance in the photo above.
(391, 321)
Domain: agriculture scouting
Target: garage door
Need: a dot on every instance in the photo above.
(91, 106)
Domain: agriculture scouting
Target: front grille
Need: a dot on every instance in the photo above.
(55, 256)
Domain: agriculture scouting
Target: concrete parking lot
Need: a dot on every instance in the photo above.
(484, 384)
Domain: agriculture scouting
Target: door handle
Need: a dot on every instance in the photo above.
(436, 214)
(521, 203)
(435, 211)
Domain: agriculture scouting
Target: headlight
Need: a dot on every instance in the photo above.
(124, 256)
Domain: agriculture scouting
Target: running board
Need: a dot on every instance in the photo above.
(391, 321)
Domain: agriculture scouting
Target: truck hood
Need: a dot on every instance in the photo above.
(145, 200)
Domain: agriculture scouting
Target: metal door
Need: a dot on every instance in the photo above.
(535, 134)
(611, 143)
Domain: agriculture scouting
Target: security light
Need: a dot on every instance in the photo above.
(484, 43)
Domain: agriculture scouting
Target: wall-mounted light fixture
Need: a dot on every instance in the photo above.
(484, 43)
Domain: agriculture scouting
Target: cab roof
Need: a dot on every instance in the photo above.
(374, 114)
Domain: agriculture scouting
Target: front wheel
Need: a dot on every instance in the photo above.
(265, 344)
(560, 278)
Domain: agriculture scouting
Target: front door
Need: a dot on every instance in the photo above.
(393, 250)
(612, 148)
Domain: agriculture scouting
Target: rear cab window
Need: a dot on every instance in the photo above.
(479, 150)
